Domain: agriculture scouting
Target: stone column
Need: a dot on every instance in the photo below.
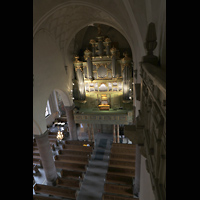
(114, 134)
(117, 133)
(46, 158)
(136, 187)
(89, 133)
(71, 122)
(92, 130)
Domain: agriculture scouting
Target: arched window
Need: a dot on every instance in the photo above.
(48, 109)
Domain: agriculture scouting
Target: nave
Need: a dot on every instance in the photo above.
(108, 174)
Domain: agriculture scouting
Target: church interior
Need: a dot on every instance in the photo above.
(99, 100)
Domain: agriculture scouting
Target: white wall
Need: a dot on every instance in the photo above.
(49, 74)
(146, 192)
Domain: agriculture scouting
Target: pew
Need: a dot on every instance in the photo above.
(53, 133)
(37, 161)
(53, 141)
(78, 142)
(122, 151)
(35, 148)
(122, 164)
(73, 159)
(72, 174)
(118, 189)
(35, 168)
(122, 157)
(119, 179)
(78, 148)
(70, 166)
(122, 145)
(39, 197)
(52, 136)
(121, 171)
(106, 196)
(36, 154)
(74, 153)
(55, 191)
(68, 182)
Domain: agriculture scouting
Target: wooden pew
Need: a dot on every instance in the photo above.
(78, 148)
(106, 196)
(70, 166)
(53, 133)
(118, 189)
(122, 151)
(73, 159)
(53, 141)
(56, 191)
(121, 171)
(37, 161)
(122, 164)
(35, 168)
(68, 182)
(72, 174)
(122, 157)
(74, 153)
(39, 197)
(122, 145)
(119, 179)
(36, 154)
(35, 148)
(78, 142)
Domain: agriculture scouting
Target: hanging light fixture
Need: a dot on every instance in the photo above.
(59, 135)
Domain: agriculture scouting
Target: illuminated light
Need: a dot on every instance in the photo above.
(72, 83)
(59, 135)
(86, 145)
(130, 89)
(129, 97)
(72, 97)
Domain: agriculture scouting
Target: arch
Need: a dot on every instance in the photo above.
(49, 73)
(67, 101)
(36, 128)
(119, 25)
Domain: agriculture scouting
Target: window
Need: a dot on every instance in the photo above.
(48, 110)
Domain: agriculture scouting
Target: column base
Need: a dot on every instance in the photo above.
(51, 183)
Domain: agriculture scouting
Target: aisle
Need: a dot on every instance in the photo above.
(93, 183)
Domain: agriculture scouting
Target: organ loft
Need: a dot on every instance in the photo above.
(103, 85)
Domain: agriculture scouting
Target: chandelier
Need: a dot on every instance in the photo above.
(59, 135)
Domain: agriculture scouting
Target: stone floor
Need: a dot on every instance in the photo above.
(93, 183)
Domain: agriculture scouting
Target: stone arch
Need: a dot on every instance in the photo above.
(36, 128)
(49, 73)
(67, 100)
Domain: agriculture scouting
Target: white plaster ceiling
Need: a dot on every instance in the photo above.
(64, 23)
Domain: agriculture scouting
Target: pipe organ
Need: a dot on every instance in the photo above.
(103, 79)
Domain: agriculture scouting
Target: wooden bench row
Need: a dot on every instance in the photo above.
(63, 192)
(123, 164)
(40, 197)
(72, 159)
(79, 142)
(78, 147)
(107, 196)
(74, 153)
(119, 189)
(123, 145)
(72, 174)
(120, 174)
